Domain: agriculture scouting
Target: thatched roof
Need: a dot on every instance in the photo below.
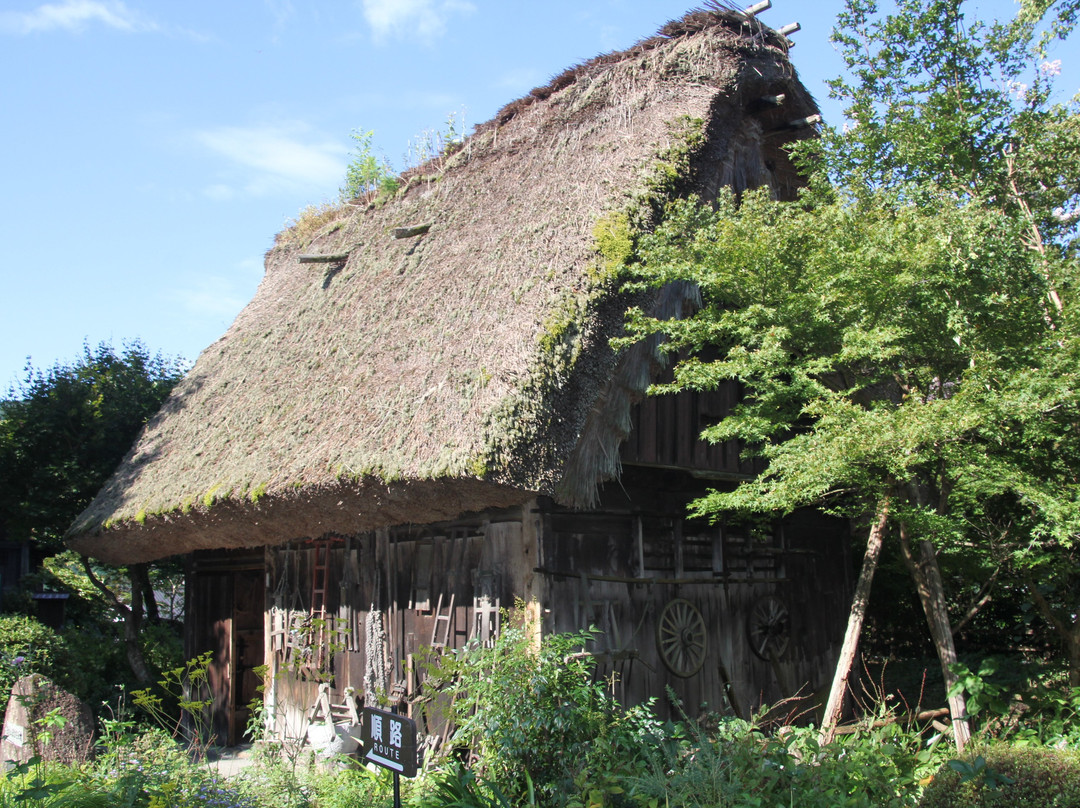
(467, 365)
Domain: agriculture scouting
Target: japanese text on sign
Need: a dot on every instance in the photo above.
(390, 741)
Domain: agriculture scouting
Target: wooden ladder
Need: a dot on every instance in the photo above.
(320, 572)
(440, 630)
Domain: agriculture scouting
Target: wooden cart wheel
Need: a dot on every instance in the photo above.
(681, 638)
(768, 626)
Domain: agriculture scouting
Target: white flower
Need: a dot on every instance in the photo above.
(1051, 68)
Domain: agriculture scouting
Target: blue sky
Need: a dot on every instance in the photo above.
(150, 150)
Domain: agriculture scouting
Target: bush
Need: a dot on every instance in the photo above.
(366, 172)
(1040, 778)
(534, 718)
(737, 764)
(27, 646)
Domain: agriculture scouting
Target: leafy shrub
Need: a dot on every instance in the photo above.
(27, 646)
(34, 784)
(738, 764)
(366, 172)
(162, 645)
(96, 663)
(530, 712)
(1054, 718)
(458, 787)
(1040, 778)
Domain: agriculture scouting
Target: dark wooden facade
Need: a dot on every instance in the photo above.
(727, 616)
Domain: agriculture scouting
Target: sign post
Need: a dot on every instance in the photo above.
(390, 741)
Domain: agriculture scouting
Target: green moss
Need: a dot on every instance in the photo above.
(140, 517)
(210, 496)
(669, 172)
(559, 330)
(614, 244)
(478, 467)
(257, 493)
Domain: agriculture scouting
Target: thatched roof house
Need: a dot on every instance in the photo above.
(412, 422)
(465, 363)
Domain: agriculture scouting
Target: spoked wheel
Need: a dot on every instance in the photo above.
(681, 638)
(768, 627)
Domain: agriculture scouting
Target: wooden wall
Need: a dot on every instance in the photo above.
(666, 433)
(381, 599)
(620, 567)
(358, 610)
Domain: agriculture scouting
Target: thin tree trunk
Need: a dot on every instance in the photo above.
(927, 575)
(1069, 633)
(132, 616)
(140, 574)
(132, 627)
(845, 663)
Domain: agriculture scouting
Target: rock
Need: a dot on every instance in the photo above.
(26, 724)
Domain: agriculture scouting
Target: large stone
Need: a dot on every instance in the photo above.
(27, 730)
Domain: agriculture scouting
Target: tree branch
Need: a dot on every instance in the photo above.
(118, 604)
(981, 599)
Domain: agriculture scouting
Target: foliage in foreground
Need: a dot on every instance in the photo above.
(537, 729)
(1004, 776)
(532, 715)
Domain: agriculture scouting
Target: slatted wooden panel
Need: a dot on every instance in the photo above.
(666, 432)
(723, 574)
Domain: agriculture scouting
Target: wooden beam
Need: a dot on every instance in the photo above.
(318, 258)
(409, 232)
(809, 120)
(618, 579)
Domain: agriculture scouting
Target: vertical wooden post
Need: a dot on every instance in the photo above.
(526, 559)
(856, 616)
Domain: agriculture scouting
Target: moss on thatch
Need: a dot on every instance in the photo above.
(468, 365)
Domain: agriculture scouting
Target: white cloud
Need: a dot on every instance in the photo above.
(272, 159)
(73, 15)
(219, 297)
(424, 19)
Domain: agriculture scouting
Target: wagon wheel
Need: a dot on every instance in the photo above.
(681, 638)
(768, 627)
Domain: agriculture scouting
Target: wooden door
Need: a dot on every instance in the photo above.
(247, 648)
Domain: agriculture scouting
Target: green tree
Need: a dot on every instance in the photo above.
(62, 433)
(904, 332)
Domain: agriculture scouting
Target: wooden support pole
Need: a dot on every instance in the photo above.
(757, 8)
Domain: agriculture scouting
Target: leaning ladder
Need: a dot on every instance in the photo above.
(320, 571)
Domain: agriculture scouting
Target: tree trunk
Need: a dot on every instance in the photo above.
(132, 628)
(927, 575)
(859, 602)
(140, 575)
(132, 616)
(1068, 633)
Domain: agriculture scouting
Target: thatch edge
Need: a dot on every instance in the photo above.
(305, 513)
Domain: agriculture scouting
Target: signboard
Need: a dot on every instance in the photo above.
(389, 741)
